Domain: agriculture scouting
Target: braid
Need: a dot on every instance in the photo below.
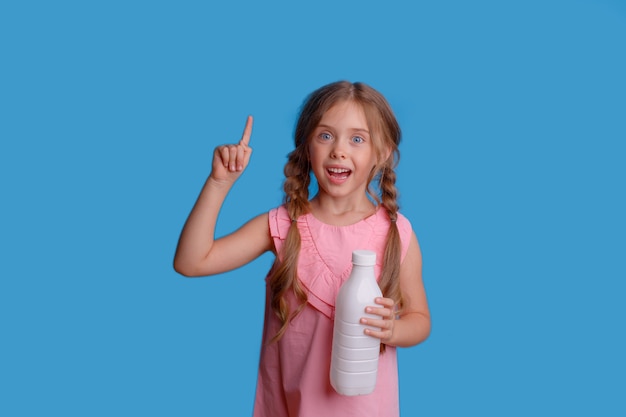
(297, 180)
(389, 279)
(284, 276)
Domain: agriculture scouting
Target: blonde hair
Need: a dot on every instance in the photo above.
(386, 138)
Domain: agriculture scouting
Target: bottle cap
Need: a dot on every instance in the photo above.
(364, 257)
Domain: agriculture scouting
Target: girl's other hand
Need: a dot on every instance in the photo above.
(229, 161)
(385, 323)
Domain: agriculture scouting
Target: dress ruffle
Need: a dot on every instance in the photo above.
(322, 270)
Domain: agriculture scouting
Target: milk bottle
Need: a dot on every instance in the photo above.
(354, 361)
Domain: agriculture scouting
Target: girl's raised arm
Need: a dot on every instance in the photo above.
(198, 253)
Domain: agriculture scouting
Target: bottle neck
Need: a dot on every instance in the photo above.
(362, 270)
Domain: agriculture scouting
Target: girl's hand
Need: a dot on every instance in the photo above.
(386, 323)
(229, 161)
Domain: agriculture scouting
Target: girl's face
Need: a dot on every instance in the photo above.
(341, 151)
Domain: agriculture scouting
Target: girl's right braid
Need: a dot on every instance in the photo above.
(285, 275)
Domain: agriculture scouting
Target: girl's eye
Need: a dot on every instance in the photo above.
(326, 136)
(358, 139)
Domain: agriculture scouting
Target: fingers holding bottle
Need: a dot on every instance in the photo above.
(386, 309)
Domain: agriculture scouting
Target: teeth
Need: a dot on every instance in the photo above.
(338, 170)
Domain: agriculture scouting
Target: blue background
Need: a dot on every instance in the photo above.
(512, 173)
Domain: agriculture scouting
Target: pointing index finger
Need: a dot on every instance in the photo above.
(247, 132)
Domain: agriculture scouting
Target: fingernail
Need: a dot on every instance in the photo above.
(368, 309)
(364, 321)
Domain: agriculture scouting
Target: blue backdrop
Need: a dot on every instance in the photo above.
(512, 173)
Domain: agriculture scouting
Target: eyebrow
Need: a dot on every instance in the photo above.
(352, 129)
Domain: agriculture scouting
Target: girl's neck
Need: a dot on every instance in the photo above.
(341, 212)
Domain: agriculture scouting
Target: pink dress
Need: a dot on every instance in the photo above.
(293, 377)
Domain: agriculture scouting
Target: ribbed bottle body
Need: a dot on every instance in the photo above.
(354, 361)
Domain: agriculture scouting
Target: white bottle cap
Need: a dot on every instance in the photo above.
(364, 257)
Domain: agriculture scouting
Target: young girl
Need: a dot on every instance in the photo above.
(347, 136)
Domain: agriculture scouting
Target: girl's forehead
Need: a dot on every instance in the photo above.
(343, 109)
(345, 104)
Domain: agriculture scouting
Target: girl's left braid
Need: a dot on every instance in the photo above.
(389, 281)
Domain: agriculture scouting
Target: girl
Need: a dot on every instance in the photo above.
(347, 136)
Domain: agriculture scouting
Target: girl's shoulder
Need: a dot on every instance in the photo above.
(279, 212)
(403, 223)
(279, 221)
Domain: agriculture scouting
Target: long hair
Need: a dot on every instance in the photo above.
(386, 138)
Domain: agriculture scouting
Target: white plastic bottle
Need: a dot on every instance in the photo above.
(354, 361)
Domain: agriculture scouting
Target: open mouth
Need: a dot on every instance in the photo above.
(338, 173)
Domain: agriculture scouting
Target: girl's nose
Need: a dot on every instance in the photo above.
(338, 151)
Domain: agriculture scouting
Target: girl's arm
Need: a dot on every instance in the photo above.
(198, 253)
(413, 326)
